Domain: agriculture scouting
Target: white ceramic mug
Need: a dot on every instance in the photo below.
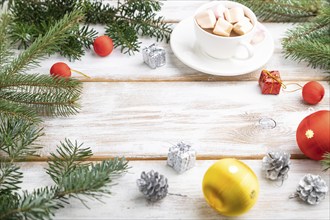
(225, 47)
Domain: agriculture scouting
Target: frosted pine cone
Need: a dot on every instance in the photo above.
(312, 189)
(276, 165)
(153, 185)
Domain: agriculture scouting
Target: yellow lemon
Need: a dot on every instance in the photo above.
(230, 187)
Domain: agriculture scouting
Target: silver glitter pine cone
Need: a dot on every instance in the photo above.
(276, 165)
(311, 189)
(153, 185)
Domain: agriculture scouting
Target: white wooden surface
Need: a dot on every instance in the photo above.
(131, 110)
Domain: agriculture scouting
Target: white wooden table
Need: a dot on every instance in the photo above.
(131, 110)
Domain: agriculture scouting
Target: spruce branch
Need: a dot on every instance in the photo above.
(17, 138)
(69, 156)
(10, 177)
(284, 10)
(5, 53)
(41, 93)
(310, 41)
(125, 22)
(17, 112)
(45, 45)
(91, 181)
(39, 204)
(326, 161)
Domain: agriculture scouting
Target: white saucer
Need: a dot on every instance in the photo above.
(184, 47)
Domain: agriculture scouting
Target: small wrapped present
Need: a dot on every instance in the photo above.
(270, 82)
(181, 157)
(154, 56)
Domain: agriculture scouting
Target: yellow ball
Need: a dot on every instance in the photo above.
(230, 187)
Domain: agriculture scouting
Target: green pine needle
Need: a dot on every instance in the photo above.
(39, 204)
(45, 45)
(17, 138)
(69, 156)
(310, 41)
(125, 22)
(326, 161)
(10, 177)
(284, 10)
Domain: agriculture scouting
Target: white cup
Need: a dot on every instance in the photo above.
(225, 47)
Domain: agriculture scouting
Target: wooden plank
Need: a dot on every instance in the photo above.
(217, 118)
(122, 67)
(126, 202)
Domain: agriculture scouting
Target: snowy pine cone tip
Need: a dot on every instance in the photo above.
(311, 189)
(153, 185)
(276, 165)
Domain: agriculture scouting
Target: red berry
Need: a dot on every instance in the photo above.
(103, 45)
(312, 92)
(60, 69)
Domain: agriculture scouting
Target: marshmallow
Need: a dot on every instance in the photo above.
(242, 27)
(219, 11)
(222, 27)
(206, 19)
(234, 15)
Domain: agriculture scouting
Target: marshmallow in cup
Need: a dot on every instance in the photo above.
(225, 46)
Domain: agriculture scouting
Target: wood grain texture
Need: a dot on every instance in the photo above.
(126, 202)
(217, 118)
(131, 110)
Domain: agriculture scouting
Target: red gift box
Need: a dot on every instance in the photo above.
(270, 82)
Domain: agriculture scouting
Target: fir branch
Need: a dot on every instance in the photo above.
(14, 111)
(310, 41)
(5, 53)
(42, 93)
(8, 204)
(326, 161)
(39, 204)
(121, 20)
(124, 36)
(10, 177)
(69, 156)
(45, 45)
(284, 10)
(17, 138)
(92, 180)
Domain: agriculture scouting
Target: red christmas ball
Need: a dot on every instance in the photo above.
(60, 69)
(103, 45)
(312, 92)
(313, 134)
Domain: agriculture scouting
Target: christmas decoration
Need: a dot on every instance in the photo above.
(270, 82)
(311, 189)
(181, 157)
(276, 165)
(71, 178)
(230, 187)
(103, 45)
(154, 56)
(312, 92)
(41, 94)
(62, 70)
(123, 22)
(153, 185)
(24, 97)
(313, 134)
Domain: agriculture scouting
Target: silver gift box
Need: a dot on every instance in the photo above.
(181, 157)
(154, 56)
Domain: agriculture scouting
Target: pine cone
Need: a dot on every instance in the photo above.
(276, 165)
(312, 189)
(153, 185)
